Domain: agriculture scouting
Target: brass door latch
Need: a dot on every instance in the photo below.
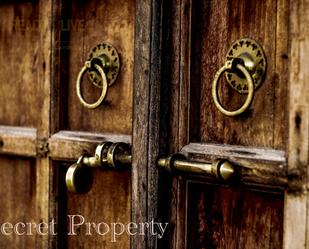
(79, 176)
(219, 169)
(103, 66)
(244, 69)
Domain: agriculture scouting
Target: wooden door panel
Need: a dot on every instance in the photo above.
(247, 214)
(79, 130)
(40, 58)
(216, 26)
(97, 22)
(23, 176)
(220, 217)
(18, 180)
(20, 87)
(109, 202)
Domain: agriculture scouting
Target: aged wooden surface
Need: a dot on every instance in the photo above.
(140, 136)
(20, 86)
(24, 90)
(39, 91)
(264, 167)
(43, 166)
(225, 218)
(69, 145)
(83, 25)
(108, 201)
(38, 56)
(149, 136)
(281, 76)
(211, 39)
(178, 135)
(296, 217)
(18, 177)
(92, 26)
(18, 141)
(214, 26)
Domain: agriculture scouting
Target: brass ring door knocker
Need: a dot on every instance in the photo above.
(103, 67)
(244, 70)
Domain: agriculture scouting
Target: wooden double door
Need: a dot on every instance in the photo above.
(161, 103)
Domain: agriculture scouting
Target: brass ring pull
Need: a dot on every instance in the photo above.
(103, 65)
(104, 86)
(228, 67)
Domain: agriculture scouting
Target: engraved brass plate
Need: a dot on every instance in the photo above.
(254, 60)
(111, 64)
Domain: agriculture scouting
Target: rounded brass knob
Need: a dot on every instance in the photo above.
(228, 67)
(79, 177)
(104, 85)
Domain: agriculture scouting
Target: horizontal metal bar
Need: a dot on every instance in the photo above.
(220, 169)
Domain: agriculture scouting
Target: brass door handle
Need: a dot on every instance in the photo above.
(79, 176)
(103, 66)
(244, 70)
(220, 169)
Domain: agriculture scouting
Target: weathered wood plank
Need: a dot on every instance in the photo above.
(108, 201)
(18, 200)
(148, 123)
(217, 26)
(276, 157)
(264, 167)
(69, 145)
(281, 77)
(296, 216)
(18, 141)
(179, 40)
(264, 125)
(220, 217)
(43, 163)
(140, 136)
(19, 58)
(91, 26)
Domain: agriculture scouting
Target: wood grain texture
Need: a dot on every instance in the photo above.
(18, 199)
(178, 18)
(95, 22)
(33, 92)
(296, 217)
(18, 141)
(107, 202)
(20, 93)
(78, 27)
(140, 135)
(281, 105)
(265, 168)
(25, 88)
(217, 25)
(43, 163)
(214, 26)
(149, 121)
(225, 218)
(68, 145)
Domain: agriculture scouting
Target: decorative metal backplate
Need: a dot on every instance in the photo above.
(254, 60)
(109, 53)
